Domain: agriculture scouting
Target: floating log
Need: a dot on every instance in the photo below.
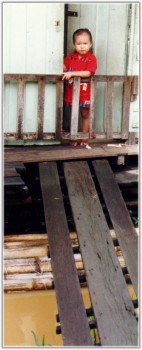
(26, 258)
(29, 284)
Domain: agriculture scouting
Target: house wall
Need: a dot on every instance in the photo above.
(33, 36)
(32, 44)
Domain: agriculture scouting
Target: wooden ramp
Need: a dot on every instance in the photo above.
(111, 302)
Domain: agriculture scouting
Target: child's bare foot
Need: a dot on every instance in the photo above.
(73, 143)
(84, 143)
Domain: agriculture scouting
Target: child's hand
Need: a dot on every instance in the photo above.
(67, 75)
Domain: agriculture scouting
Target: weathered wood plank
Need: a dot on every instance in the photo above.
(132, 138)
(54, 77)
(75, 107)
(126, 107)
(59, 109)
(109, 109)
(120, 218)
(134, 90)
(70, 303)
(20, 108)
(41, 97)
(93, 107)
(109, 295)
(43, 154)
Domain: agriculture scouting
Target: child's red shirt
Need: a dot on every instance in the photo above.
(87, 62)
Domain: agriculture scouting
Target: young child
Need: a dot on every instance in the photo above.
(80, 63)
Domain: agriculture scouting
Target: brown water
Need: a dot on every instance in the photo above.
(32, 311)
(35, 311)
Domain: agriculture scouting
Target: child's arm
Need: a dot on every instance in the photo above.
(81, 74)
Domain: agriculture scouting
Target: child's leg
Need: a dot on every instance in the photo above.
(85, 113)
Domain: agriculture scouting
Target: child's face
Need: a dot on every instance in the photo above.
(82, 43)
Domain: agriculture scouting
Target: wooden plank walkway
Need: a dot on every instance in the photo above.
(111, 302)
(124, 229)
(72, 313)
(54, 153)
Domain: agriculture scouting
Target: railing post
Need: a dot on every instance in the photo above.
(20, 108)
(126, 107)
(92, 130)
(59, 109)
(41, 97)
(75, 107)
(109, 109)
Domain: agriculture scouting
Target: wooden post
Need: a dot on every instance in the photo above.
(93, 107)
(59, 109)
(20, 108)
(75, 107)
(109, 109)
(41, 94)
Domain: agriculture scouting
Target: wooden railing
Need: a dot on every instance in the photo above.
(130, 91)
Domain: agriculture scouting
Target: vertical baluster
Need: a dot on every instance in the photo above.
(126, 107)
(41, 97)
(75, 107)
(59, 109)
(20, 108)
(109, 109)
(93, 107)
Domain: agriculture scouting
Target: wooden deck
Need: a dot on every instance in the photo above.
(111, 304)
(61, 152)
(113, 308)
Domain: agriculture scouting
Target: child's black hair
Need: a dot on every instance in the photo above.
(81, 31)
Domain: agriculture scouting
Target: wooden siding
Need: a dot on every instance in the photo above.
(33, 37)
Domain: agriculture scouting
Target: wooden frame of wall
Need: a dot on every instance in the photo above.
(130, 91)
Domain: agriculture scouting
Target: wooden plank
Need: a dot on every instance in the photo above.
(20, 108)
(134, 90)
(41, 97)
(120, 218)
(126, 107)
(75, 107)
(59, 109)
(132, 138)
(70, 303)
(54, 77)
(43, 154)
(93, 107)
(32, 77)
(109, 295)
(109, 109)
